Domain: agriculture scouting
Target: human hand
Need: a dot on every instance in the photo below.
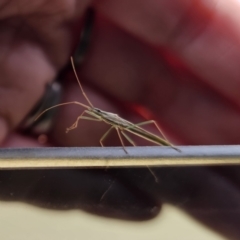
(179, 60)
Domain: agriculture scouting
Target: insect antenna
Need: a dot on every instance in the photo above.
(74, 102)
(84, 94)
(59, 105)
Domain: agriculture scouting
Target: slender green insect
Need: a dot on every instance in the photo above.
(121, 125)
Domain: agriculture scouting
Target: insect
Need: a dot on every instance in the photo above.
(121, 125)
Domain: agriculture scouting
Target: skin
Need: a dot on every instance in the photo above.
(178, 59)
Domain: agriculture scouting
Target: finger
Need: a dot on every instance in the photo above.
(96, 191)
(230, 173)
(17, 141)
(35, 42)
(206, 196)
(128, 70)
(205, 36)
(77, 189)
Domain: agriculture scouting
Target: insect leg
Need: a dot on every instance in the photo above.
(128, 138)
(156, 125)
(133, 143)
(105, 135)
(75, 124)
(121, 140)
(108, 131)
